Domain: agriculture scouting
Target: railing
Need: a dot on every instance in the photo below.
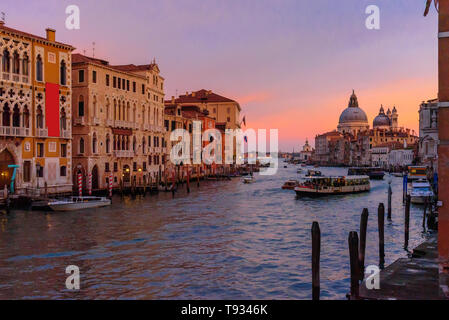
(150, 149)
(123, 124)
(110, 123)
(123, 154)
(96, 121)
(164, 150)
(6, 76)
(14, 131)
(146, 127)
(66, 134)
(157, 150)
(16, 77)
(41, 132)
(25, 79)
(79, 121)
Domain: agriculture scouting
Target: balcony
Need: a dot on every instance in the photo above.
(123, 154)
(157, 150)
(151, 150)
(123, 124)
(146, 127)
(164, 150)
(14, 131)
(96, 121)
(79, 121)
(6, 76)
(66, 134)
(110, 123)
(42, 133)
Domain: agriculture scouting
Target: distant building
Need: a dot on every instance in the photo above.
(401, 158)
(306, 153)
(428, 133)
(353, 119)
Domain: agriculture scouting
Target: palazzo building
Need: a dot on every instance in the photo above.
(35, 111)
(118, 122)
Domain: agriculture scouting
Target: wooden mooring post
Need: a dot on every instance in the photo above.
(316, 249)
(381, 227)
(353, 242)
(407, 222)
(389, 200)
(426, 203)
(362, 249)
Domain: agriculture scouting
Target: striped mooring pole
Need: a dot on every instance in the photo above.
(90, 184)
(110, 185)
(80, 184)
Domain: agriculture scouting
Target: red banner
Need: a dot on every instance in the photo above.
(52, 109)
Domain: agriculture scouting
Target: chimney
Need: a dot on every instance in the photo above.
(2, 22)
(173, 99)
(193, 94)
(51, 34)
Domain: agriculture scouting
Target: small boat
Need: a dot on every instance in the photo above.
(285, 167)
(420, 192)
(323, 186)
(397, 174)
(314, 173)
(290, 185)
(371, 172)
(416, 173)
(78, 203)
(248, 180)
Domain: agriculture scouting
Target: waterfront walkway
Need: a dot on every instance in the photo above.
(413, 278)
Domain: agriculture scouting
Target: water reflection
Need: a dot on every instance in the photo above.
(227, 240)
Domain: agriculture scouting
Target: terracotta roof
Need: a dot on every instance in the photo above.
(30, 35)
(133, 67)
(79, 58)
(202, 96)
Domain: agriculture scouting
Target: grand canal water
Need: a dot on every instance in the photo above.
(226, 240)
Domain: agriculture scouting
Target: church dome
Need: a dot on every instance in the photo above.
(382, 120)
(353, 114)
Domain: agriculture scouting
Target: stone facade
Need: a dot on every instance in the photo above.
(118, 122)
(428, 133)
(41, 148)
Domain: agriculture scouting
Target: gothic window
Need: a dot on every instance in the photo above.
(25, 65)
(134, 144)
(63, 120)
(6, 116)
(16, 63)
(39, 118)
(39, 68)
(26, 117)
(144, 145)
(6, 62)
(16, 116)
(63, 73)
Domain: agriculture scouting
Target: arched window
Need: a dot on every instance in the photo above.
(63, 73)
(81, 145)
(6, 62)
(134, 144)
(81, 106)
(25, 65)
(95, 106)
(63, 120)
(15, 63)
(144, 146)
(123, 143)
(6, 116)
(108, 142)
(39, 118)
(26, 117)
(39, 69)
(107, 109)
(16, 117)
(94, 143)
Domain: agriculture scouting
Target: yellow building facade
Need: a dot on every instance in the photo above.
(35, 111)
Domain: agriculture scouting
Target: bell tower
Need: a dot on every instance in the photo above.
(394, 119)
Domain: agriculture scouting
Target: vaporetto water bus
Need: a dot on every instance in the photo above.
(322, 186)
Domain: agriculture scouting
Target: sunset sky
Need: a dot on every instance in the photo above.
(292, 64)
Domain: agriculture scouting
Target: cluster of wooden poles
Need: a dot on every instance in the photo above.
(357, 245)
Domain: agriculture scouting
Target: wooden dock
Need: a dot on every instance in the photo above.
(413, 278)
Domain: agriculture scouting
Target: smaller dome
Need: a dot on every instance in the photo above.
(382, 120)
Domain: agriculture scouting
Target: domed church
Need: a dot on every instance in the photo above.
(388, 121)
(353, 119)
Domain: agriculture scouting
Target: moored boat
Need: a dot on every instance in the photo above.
(248, 180)
(314, 173)
(322, 186)
(372, 172)
(416, 173)
(290, 185)
(420, 192)
(78, 203)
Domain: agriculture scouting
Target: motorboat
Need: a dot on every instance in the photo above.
(372, 172)
(314, 173)
(248, 180)
(290, 185)
(323, 186)
(78, 203)
(417, 173)
(420, 192)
